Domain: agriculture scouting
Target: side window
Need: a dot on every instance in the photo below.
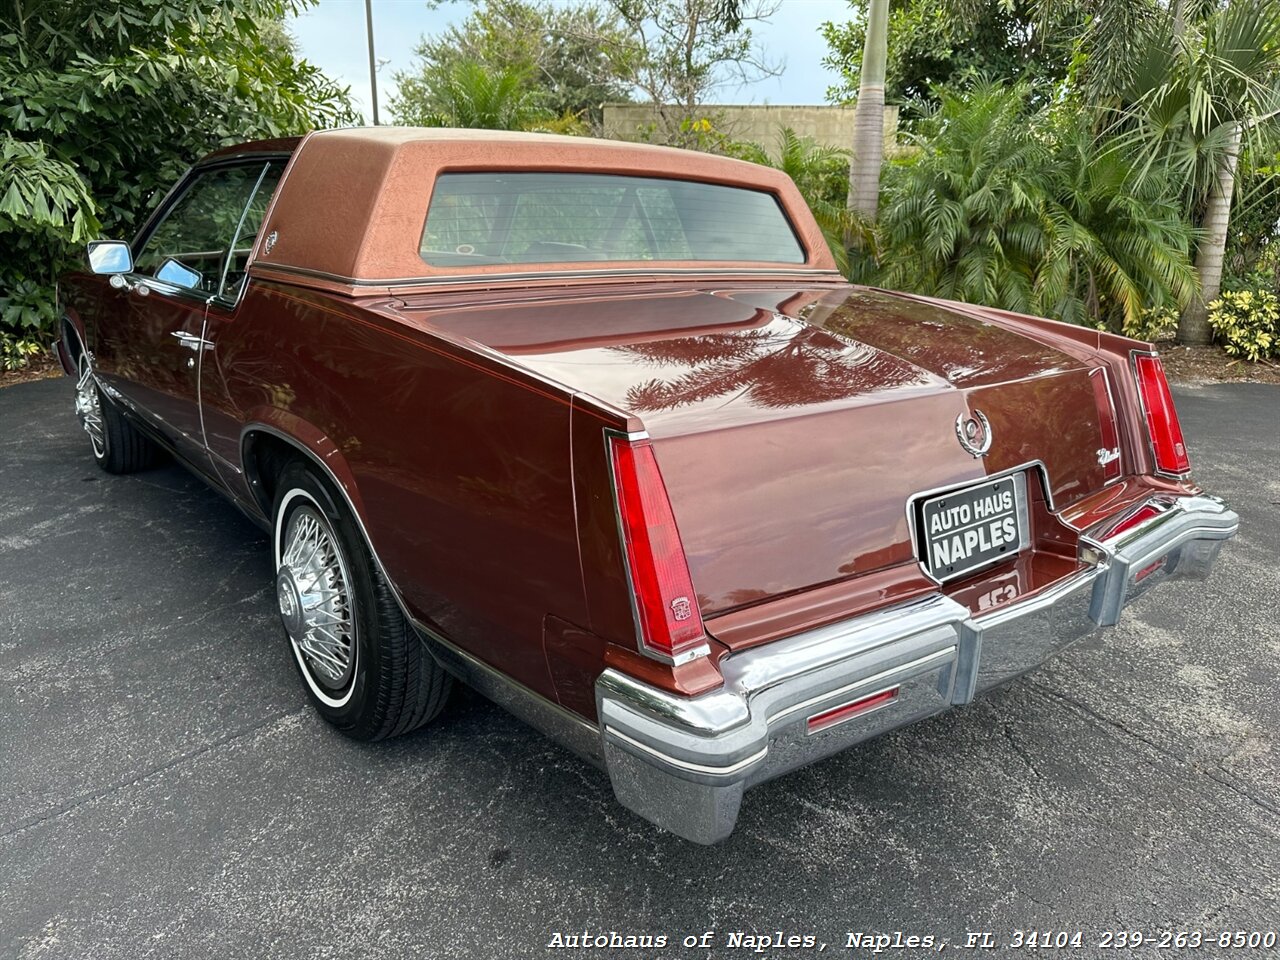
(201, 242)
(247, 232)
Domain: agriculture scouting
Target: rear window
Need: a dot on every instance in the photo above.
(490, 218)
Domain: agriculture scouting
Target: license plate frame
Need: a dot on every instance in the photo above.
(970, 514)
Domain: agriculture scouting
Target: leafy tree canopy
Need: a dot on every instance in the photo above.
(469, 94)
(689, 50)
(565, 59)
(947, 42)
(104, 105)
(1023, 207)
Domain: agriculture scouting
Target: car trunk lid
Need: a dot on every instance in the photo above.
(794, 426)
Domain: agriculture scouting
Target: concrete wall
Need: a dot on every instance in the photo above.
(832, 126)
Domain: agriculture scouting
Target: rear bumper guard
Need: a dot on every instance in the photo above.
(683, 763)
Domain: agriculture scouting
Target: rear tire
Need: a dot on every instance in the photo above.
(117, 445)
(364, 667)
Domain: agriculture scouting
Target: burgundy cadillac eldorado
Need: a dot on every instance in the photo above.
(599, 429)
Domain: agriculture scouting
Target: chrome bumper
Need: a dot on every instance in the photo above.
(683, 763)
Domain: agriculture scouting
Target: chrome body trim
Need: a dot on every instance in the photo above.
(684, 762)
(489, 279)
(190, 340)
(1186, 533)
(571, 731)
(1115, 414)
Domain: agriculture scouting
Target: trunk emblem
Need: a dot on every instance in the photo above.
(1106, 456)
(974, 433)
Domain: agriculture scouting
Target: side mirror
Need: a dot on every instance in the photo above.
(179, 274)
(110, 257)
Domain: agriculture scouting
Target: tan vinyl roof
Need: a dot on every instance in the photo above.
(353, 202)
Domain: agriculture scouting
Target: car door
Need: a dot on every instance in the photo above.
(151, 330)
(222, 423)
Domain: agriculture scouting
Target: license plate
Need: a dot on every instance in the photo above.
(964, 530)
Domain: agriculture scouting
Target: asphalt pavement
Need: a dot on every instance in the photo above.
(165, 791)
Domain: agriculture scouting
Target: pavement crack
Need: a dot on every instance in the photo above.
(1020, 751)
(1185, 760)
(92, 797)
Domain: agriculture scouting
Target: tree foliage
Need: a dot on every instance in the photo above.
(105, 104)
(821, 173)
(572, 58)
(689, 49)
(944, 43)
(469, 94)
(1201, 102)
(1011, 205)
(567, 60)
(1185, 94)
(1140, 115)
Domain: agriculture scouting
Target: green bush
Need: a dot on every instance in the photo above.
(1012, 205)
(1247, 322)
(15, 352)
(1154, 323)
(103, 105)
(821, 174)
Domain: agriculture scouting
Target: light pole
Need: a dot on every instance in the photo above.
(373, 65)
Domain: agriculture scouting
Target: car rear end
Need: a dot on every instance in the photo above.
(806, 512)
(776, 588)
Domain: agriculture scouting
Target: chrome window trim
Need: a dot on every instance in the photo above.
(1115, 413)
(235, 235)
(524, 276)
(172, 290)
(802, 247)
(176, 192)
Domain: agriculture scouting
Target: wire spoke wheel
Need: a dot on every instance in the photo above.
(365, 668)
(89, 406)
(316, 601)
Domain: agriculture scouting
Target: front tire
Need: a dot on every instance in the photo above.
(117, 445)
(364, 668)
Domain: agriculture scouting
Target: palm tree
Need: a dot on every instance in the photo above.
(471, 95)
(1024, 209)
(820, 173)
(868, 118)
(1204, 93)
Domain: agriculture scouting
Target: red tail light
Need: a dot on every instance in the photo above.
(1109, 452)
(1167, 445)
(665, 604)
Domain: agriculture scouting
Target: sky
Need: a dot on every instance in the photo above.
(332, 36)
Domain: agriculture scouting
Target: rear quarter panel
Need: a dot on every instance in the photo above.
(462, 466)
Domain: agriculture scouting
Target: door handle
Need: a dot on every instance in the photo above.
(191, 341)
